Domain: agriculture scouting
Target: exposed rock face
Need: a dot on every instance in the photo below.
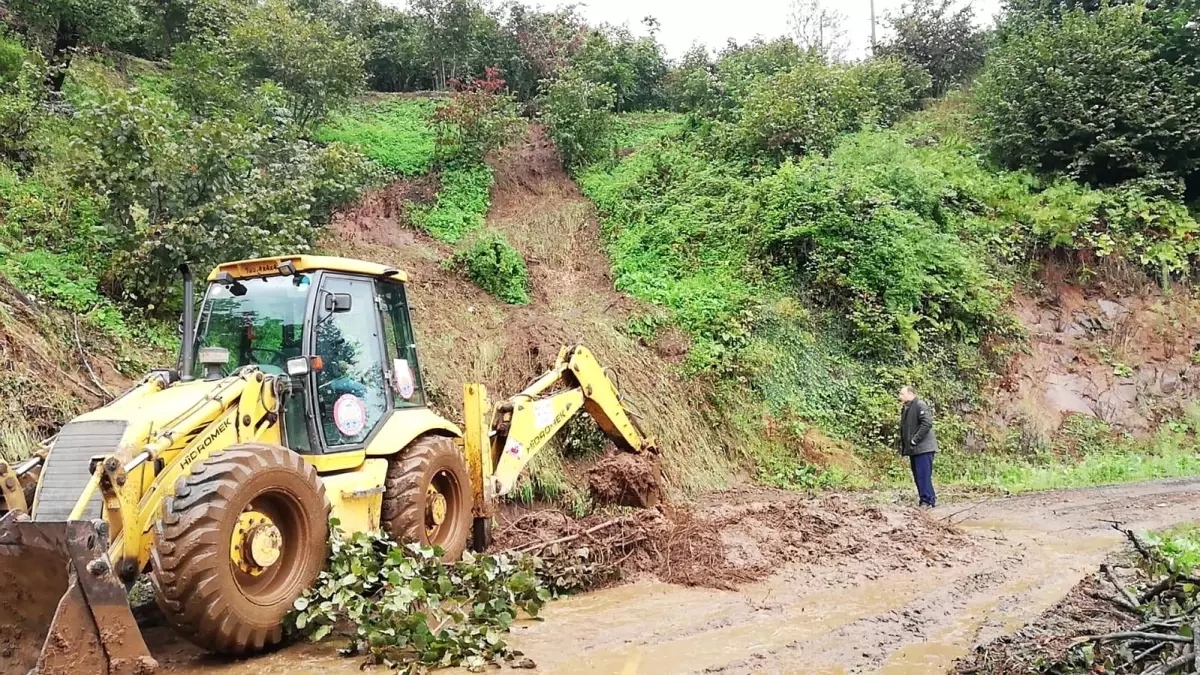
(1127, 360)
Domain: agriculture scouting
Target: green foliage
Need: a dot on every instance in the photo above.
(578, 115)
(495, 266)
(478, 119)
(804, 109)
(65, 284)
(1108, 459)
(396, 133)
(1104, 97)
(406, 609)
(21, 90)
(634, 68)
(942, 40)
(1178, 548)
(868, 230)
(201, 191)
(316, 67)
(461, 206)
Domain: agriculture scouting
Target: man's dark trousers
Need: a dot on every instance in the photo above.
(922, 470)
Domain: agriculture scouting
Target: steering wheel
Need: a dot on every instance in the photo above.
(277, 358)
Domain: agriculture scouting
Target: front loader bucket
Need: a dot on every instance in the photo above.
(62, 609)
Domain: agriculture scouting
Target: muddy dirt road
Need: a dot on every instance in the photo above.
(1020, 556)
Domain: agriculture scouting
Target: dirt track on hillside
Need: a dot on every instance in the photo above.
(845, 613)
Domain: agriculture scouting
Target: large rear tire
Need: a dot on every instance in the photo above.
(250, 500)
(427, 498)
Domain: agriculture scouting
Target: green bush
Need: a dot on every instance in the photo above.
(1104, 97)
(397, 133)
(461, 206)
(938, 37)
(578, 115)
(201, 191)
(21, 90)
(803, 110)
(478, 119)
(862, 231)
(495, 266)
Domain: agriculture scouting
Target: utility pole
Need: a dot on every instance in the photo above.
(872, 27)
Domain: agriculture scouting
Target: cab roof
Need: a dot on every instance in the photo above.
(265, 267)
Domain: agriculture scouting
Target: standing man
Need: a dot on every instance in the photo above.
(918, 443)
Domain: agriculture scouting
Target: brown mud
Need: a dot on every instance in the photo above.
(626, 479)
(850, 588)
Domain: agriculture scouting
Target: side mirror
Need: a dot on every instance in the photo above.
(336, 303)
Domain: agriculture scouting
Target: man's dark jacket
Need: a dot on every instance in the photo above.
(916, 429)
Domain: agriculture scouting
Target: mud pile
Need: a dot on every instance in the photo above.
(626, 479)
(736, 537)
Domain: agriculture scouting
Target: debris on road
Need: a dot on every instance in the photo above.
(743, 536)
(1136, 614)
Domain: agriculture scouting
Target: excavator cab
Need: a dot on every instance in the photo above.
(297, 398)
(342, 341)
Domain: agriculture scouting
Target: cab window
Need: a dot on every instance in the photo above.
(351, 388)
(403, 372)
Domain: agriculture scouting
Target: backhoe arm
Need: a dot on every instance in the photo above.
(523, 424)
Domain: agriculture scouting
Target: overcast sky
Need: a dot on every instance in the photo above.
(712, 22)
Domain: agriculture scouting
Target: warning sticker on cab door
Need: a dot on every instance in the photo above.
(403, 376)
(349, 415)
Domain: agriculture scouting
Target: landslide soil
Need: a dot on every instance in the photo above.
(849, 587)
(466, 335)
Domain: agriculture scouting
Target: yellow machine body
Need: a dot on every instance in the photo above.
(157, 433)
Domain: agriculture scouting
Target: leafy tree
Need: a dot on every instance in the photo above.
(1106, 97)
(201, 190)
(63, 25)
(546, 41)
(21, 89)
(690, 84)
(577, 113)
(317, 67)
(939, 38)
(478, 119)
(819, 29)
(635, 68)
(166, 24)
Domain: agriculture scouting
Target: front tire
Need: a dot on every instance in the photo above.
(427, 498)
(250, 500)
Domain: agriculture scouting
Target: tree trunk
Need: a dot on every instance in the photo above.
(65, 41)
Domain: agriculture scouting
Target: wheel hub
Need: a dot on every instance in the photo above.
(435, 510)
(257, 543)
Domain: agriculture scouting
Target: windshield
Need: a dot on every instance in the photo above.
(262, 326)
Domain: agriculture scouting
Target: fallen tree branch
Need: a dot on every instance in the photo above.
(1112, 578)
(1134, 635)
(1137, 542)
(1170, 666)
(87, 364)
(529, 548)
(1156, 590)
(1119, 603)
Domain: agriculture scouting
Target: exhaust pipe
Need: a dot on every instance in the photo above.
(187, 349)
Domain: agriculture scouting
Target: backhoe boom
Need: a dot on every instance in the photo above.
(523, 424)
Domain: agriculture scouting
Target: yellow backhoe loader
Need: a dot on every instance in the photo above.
(297, 397)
